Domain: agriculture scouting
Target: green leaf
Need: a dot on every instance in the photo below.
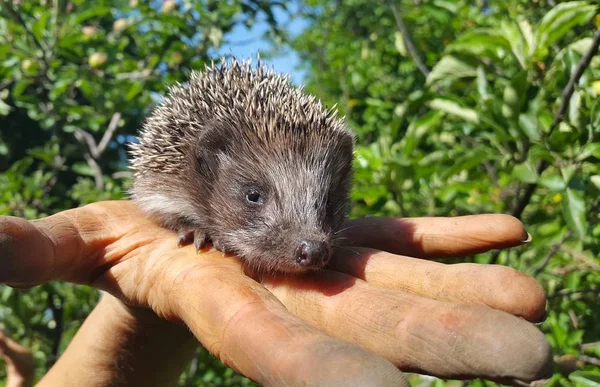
(529, 125)
(595, 179)
(589, 150)
(469, 160)
(573, 208)
(553, 182)
(560, 20)
(450, 67)
(417, 129)
(574, 112)
(528, 37)
(585, 378)
(525, 173)
(83, 169)
(517, 44)
(94, 12)
(4, 108)
(399, 43)
(40, 25)
(453, 108)
(486, 43)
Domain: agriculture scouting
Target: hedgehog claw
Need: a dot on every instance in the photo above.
(200, 239)
(197, 237)
(185, 237)
(218, 246)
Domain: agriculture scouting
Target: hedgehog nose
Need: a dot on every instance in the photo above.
(312, 253)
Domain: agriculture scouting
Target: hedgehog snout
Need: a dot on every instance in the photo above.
(312, 253)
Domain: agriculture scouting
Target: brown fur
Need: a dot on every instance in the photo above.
(237, 127)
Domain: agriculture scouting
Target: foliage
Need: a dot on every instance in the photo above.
(473, 129)
(477, 130)
(76, 80)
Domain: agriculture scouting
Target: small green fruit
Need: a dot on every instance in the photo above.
(89, 31)
(168, 5)
(120, 25)
(30, 66)
(97, 59)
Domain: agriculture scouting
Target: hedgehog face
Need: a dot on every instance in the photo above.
(279, 211)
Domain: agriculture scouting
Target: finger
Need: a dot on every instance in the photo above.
(240, 322)
(18, 358)
(498, 287)
(437, 237)
(66, 246)
(418, 334)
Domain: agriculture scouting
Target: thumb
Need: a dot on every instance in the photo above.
(26, 254)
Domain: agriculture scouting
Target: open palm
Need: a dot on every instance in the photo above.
(378, 300)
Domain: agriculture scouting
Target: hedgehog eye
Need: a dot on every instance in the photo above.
(254, 197)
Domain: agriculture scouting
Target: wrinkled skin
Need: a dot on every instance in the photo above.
(372, 309)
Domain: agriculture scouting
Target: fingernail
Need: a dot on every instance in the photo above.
(526, 238)
(542, 319)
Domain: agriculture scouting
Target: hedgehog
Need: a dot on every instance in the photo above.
(243, 159)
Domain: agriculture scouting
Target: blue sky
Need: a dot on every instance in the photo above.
(254, 43)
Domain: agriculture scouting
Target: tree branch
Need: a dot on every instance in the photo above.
(570, 88)
(84, 137)
(98, 174)
(110, 131)
(55, 304)
(551, 253)
(94, 151)
(559, 116)
(590, 360)
(410, 46)
(566, 293)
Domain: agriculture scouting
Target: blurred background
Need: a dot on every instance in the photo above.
(456, 105)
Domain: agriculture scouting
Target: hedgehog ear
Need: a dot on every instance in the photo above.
(212, 150)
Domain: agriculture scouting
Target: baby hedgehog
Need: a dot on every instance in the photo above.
(242, 158)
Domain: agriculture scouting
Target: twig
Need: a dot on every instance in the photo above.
(6, 83)
(83, 136)
(110, 131)
(134, 75)
(57, 315)
(94, 151)
(122, 175)
(551, 253)
(590, 345)
(566, 293)
(570, 88)
(98, 174)
(590, 360)
(410, 46)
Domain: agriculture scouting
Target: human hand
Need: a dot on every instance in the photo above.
(421, 315)
(119, 346)
(19, 362)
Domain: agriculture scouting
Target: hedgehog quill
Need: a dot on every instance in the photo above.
(241, 158)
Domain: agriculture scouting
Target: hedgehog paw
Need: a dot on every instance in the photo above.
(217, 245)
(198, 237)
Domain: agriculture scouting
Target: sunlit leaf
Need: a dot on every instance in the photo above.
(560, 20)
(450, 67)
(525, 173)
(454, 109)
(573, 208)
